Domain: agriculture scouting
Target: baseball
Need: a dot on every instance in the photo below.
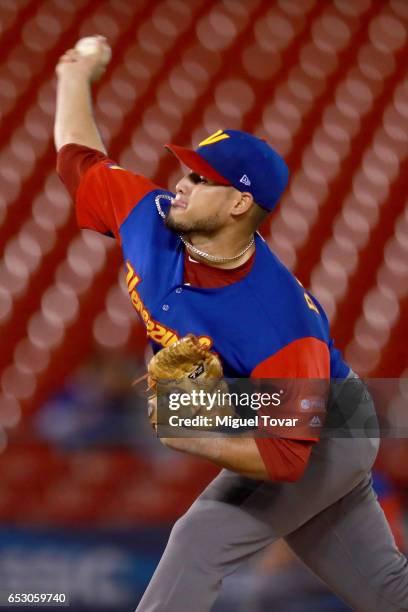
(89, 46)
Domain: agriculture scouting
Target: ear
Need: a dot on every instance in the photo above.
(243, 203)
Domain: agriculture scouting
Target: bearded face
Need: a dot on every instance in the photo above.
(200, 206)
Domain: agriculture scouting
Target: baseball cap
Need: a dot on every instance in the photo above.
(239, 159)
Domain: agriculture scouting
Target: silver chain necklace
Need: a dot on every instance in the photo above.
(192, 248)
(214, 258)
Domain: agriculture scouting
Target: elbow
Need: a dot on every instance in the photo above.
(285, 460)
(291, 473)
(294, 475)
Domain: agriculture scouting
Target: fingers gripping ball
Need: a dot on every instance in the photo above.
(90, 45)
(187, 365)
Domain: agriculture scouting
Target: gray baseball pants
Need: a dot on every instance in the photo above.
(330, 518)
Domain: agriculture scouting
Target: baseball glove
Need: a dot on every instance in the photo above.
(182, 367)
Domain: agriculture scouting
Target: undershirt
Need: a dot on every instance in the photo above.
(284, 459)
(199, 274)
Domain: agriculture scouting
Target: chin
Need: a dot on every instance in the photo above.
(175, 224)
(178, 223)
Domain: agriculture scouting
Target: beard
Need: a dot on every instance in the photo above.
(204, 226)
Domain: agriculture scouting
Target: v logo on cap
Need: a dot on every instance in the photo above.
(216, 137)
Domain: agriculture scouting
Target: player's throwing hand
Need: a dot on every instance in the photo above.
(92, 65)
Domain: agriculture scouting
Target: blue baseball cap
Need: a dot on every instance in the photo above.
(232, 157)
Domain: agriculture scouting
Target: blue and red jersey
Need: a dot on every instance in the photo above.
(264, 325)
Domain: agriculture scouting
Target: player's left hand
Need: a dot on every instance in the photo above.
(186, 362)
(152, 411)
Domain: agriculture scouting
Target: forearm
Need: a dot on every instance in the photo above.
(237, 454)
(74, 122)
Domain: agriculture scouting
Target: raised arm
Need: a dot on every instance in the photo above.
(74, 121)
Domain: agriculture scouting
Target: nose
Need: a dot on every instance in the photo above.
(184, 185)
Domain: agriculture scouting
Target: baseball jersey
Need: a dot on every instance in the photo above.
(264, 325)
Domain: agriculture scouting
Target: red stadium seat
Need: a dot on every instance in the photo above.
(217, 29)
(387, 33)
(375, 63)
(109, 332)
(143, 155)
(10, 413)
(317, 63)
(196, 58)
(6, 305)
(8, 93)
(294, 10)
(14, 275)
(274, 31)
(331, 33)
(399, 8)
(352, 9)
(9, 15)
(10, 501)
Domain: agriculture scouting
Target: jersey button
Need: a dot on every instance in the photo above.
(179, 290)
(165, 307)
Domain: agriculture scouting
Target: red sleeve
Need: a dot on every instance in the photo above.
(73, 161)
(306, 358)
(303, 358)
(104, 192)
(285, 460)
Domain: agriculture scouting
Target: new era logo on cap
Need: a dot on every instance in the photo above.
(244, 179)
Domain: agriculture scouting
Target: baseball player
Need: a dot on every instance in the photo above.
(196, 264)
